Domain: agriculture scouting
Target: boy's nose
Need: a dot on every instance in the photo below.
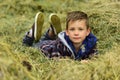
(76, 33)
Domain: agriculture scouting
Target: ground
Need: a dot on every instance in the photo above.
(18, 62)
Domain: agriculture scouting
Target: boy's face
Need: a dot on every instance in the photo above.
(77, 31)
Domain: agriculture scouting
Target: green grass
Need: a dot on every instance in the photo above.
(18, 62)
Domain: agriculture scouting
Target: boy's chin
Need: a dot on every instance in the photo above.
(76, 42)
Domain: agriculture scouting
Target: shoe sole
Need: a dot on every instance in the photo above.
(55, 21)
(39, 20)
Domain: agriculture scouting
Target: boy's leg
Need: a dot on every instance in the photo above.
(51, 34)
(55, 23)
(39, 20)
(35, 32)
(55, 28)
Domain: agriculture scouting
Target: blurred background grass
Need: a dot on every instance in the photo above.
(25, 63)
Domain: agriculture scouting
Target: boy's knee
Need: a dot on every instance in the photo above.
(28, 41)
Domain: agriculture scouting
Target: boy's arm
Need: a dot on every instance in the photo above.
(93, 52)
(49, 49)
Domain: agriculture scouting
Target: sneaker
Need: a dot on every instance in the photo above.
(39, 20)
(55, 22)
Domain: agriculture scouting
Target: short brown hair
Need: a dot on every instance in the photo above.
(76, 15)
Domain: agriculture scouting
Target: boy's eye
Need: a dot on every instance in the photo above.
(71, 29)
(80, 29)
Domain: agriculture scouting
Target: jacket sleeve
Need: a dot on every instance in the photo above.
(54, 48)
(49, 48)
(93, 51)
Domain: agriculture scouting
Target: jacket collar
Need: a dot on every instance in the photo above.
(85, 48)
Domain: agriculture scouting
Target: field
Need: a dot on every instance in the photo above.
(18, 62)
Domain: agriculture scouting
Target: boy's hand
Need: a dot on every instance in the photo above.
(84, 61)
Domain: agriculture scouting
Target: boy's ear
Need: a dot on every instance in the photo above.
(88, 31)
(66, 32)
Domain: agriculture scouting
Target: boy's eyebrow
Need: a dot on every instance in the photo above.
(76, 26)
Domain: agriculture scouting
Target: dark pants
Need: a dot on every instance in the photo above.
(44, 38)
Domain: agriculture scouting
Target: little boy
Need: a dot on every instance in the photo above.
(76, 42)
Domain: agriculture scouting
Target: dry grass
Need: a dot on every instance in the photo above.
(18, 62)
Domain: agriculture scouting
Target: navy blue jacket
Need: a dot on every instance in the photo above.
(62, 47)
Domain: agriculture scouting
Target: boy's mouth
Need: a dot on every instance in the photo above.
(76, 37)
